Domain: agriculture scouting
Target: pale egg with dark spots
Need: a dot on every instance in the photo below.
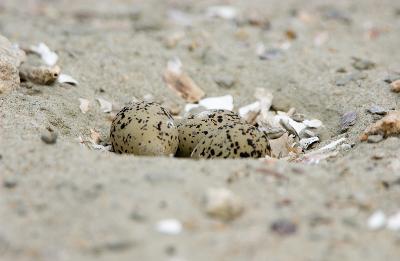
(195, 127)
(233, 141)
(144, 128)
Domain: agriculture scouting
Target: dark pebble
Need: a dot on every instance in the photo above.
(50, 137)
(283, 227)
(348, 119)
(375, 109)
(10, 182)
(225, 81)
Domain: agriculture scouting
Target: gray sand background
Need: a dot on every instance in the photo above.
(71, 203)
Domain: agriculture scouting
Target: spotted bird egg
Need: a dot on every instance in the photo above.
(195, 127)
(233, 141)
(144, 128)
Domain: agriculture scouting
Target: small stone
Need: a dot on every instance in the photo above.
(375, 109)
(283, 227)
(49, 137)
(224, 80)
(393, 222)
(377, 220)
(169, 226)
(361, 64)
(348, 119)
(222, 204)
(374, 138)
(395, 86)
(271, 54)
(10, 182)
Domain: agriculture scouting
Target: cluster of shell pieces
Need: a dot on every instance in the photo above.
(146, 128)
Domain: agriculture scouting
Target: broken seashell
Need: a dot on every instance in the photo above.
(105, 106)
(84, 105)
(313, 123)
(181, 83)
(306, 143)
(387, 126)
(65, 78)
(49, 57)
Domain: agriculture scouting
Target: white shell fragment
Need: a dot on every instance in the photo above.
(393, 222)
(169, 226)
(84, 105)
(213, 103)
(313, 123)
(297, 126)
(49, 57)
(377, 220)
(180, 82)
(222, 102)
(222, 11)
(305, 143)
(105, 106)
(252, 107)
(65, 78)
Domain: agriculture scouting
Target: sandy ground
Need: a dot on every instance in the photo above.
(66, 202)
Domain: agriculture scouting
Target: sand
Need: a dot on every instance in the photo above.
(67, 202)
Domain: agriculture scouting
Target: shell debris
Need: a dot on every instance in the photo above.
(181, 83)
(387, 126)
(49, 57)
(84, 105)
(105, 105)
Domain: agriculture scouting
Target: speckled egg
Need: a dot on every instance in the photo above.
(197, 126)
(234, 141)
(144, 128)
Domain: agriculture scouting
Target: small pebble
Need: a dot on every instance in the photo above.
(10, 182)
(169, 226)
(393, 222)
(224, 80)
(377, 220)
(395, 86)
(49, 137)
(361, 64)
(283, 227)
(375, 109)
(270, 54)
(222, 204)
(348, 119)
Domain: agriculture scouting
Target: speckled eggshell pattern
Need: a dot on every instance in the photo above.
(144, 128)
(235, 141)
(197, 126)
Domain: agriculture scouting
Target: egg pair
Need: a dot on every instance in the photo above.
(146, 128)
